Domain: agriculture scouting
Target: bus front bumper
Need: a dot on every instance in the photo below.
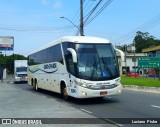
(89, 93)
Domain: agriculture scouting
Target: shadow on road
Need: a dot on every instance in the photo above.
(58, 97)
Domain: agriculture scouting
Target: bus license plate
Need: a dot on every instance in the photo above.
(103, 93)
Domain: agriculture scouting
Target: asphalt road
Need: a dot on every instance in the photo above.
(20, 105)
(130, 104)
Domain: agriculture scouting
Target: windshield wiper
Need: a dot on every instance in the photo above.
(107, 68)
(94, 65)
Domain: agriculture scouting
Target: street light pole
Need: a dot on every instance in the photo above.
(135, 58)
(70, 22)
(80, 28)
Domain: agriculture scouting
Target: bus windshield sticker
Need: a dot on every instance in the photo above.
(82, 69)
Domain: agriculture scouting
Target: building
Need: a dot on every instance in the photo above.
(130, 63)
(152, 51)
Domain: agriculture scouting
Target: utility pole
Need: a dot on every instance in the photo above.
(81, 18)
(135, 58)
(125, 47)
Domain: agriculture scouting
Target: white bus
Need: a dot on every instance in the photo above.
(76, 66)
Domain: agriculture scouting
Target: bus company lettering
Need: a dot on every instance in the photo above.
(50, 66)
(104, 83)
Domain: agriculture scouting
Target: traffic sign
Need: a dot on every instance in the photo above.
(149, 62)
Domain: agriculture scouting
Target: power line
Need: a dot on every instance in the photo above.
(87, 16)
(32, 28)
(99, 11)
(92, 8)
(144, 27)
(76, 17)
(95, 11)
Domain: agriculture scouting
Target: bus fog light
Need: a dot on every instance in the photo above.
(84, 93)
(85, 85)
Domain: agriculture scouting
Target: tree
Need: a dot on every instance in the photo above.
(2, 60)
(144, 40)
(8, 61)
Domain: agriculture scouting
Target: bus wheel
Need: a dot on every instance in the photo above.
(35, 85)
(64, 92)
(37, 89)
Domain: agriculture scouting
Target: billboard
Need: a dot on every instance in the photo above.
(6, 43)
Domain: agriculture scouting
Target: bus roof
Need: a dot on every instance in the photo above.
(83, 39)
(75, 39)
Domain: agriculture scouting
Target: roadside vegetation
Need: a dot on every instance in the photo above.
(8, 61)
(150, 82)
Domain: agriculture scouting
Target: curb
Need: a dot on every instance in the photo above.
(142, 88)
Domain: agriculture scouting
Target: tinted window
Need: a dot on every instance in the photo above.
(68, 57)
(51, 54)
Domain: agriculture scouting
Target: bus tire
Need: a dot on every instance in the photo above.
(64, 92)
(35, 85)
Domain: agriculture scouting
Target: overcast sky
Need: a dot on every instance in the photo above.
(33, 23)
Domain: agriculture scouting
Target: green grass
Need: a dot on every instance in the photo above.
(140, 81)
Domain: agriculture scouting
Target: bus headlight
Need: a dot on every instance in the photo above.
(85, 85)
(89, 86)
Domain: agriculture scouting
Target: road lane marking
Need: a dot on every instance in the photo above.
(120, 125)
(117, 124)
(86, 111)
(155, 106)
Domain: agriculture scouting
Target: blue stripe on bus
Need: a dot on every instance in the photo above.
(38, 69)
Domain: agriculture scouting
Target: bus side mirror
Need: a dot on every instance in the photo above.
(74, 54)
(121, 53)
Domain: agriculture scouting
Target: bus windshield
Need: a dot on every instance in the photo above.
(96, 61)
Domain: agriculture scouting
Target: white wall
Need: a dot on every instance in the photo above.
(130, 63)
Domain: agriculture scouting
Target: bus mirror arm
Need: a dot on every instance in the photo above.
(121, 53)
(74, 54)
